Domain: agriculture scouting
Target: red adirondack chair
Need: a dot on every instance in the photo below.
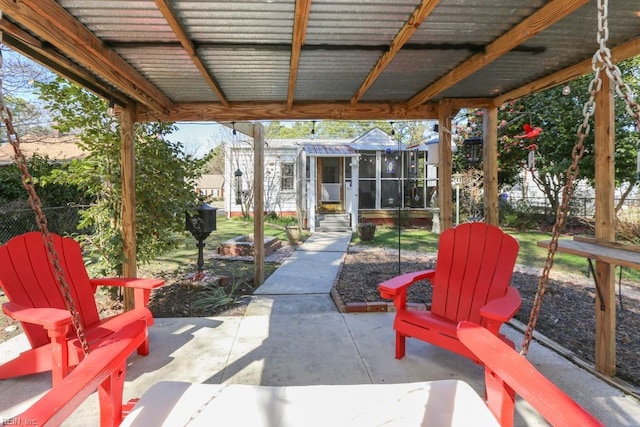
(470, 282)
(36, 300)
(507, 373)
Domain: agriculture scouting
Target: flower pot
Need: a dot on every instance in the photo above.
(366, 231)
(294, 232)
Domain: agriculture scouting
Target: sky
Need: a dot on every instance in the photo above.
(198, 138)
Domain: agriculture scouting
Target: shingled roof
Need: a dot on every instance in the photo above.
(57, 148)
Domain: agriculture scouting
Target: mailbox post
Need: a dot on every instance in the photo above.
(200, 226)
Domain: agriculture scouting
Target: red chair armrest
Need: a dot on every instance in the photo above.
(511, 370)
(504, 308)
(399, 284)
(132, 282)
(48, 318)
(104, 362)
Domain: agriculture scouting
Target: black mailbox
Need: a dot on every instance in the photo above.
(200, 227)
(202, 224)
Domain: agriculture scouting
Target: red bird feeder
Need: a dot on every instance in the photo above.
(530, 133)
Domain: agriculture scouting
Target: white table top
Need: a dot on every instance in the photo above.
(434, 403)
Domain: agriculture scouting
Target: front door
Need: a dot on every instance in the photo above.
(330, 189)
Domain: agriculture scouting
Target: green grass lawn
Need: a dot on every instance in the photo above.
(420, 240)
(186, 254)
(530, 255)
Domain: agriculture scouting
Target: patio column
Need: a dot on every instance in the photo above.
(490, 165)
(445, 112)
(355, 190)
(605, 228)
(258, 203)
(312, 200)
(128, 174)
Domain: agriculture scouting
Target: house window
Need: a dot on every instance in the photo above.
(286, 176)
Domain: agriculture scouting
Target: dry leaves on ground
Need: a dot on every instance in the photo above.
(566, 317)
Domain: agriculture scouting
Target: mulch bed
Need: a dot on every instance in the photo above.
(566, 317)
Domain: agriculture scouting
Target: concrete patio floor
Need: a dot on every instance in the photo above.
(299, 338)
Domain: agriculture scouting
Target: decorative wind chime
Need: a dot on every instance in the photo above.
(530, 133)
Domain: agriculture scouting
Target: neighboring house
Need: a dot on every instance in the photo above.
(211, 186)
(56, 148)
(371, 178)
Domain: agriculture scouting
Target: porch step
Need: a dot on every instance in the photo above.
(333, 222)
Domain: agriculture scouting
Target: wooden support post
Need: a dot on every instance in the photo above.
(445, 164)
(128, 171)
(258, 203)
(490, 165)
(605, 227)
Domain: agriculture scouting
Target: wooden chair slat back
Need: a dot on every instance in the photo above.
(27, 278)
(475, 264)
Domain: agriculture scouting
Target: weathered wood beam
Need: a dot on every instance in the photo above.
(445, 163)
(619, 53)
(247, 111)
(490, 165)
(51, 22)
(31, 47)
(547, 15)
(419, 15)
(258, 201)
(128, 214)
(458, 103)
(605, 217)
(299, 34)
(185, 41)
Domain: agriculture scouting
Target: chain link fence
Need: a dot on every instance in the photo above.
(18, 218)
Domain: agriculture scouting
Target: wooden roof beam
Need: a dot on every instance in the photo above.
(619, 53)
(30, 46)
(419, 15)
(185, 41)
(249, 111)
(300, 22)
(52, 23)
(549, 14)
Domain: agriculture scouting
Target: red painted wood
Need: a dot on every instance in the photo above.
(470, 282)
(507, 372)
(104, 369)
(36, 300)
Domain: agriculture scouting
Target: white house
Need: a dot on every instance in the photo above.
(372, 178)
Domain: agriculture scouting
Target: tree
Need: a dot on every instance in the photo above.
(165, 176)
(19, 74)
(558, 111)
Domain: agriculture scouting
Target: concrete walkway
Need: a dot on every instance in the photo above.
(292, 334)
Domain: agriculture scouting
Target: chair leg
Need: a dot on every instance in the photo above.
(500, 398)
(143, 349)
(400, 345)
(59, 357)
(110, 394)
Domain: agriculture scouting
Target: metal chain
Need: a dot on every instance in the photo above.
(41, 219)
(601, 61)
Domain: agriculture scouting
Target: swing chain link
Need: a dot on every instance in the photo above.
(601, 61)
(603, 56)
(41, 220)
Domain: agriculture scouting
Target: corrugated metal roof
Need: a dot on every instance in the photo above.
(246, 46)
(324, 150)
